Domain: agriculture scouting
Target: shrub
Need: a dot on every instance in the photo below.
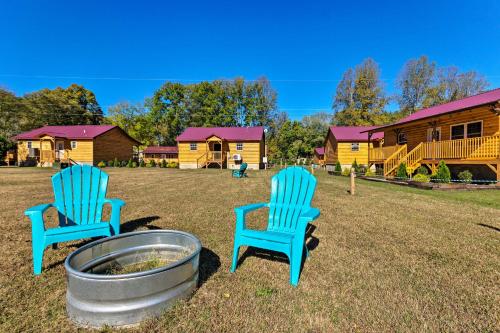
(110, 163)
(422, 170)
(129, 164)
(116, 163)
(123, 163)
(338, 167)
(465, 176)
(172, 164)
(152, 163)
(142, 164)
(443, 174)
(401, 173)
(421, 178)
(355, 166)
(369, 173)
(346, 172)
(134, 164)
(101, 164)
(163, 163)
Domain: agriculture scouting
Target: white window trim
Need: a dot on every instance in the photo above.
(75, 146)
(355, 143)
(29, 144)
(239, 143)
(191, 146)
(465, 128)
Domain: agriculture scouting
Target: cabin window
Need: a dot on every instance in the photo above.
(30, 144)
(193, 146)
(474, 130)
(402, 138)
(355, 146)
(468, 130)
(163, 156)
(239, 146)
(73, 144)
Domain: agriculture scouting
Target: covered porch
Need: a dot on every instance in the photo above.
(483, 150)
(216, 152)
(53, 149)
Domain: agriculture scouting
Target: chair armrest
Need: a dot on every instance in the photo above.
(243, 210)
(251, 207)
(309, 215)
(114, 202)
(40, 209)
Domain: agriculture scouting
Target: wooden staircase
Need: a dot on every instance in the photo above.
(412, 159)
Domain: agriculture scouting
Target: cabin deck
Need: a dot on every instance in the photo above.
(483, 150)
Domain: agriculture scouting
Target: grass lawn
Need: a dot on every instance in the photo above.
(387, 259)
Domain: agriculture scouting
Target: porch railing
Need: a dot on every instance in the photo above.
(381, 153)
(214, 156)
(485, 147)
(46, 156)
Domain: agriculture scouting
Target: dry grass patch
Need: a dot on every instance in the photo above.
(384, 260)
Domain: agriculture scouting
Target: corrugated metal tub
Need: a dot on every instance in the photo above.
(102, 290)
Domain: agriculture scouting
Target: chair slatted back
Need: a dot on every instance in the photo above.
(243, 167)
(292, 190)
(79, 193)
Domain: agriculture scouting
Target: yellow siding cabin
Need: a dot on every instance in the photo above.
(347, 144)
(221, 147)
(160, 153)
(464, 133)
(82, 144)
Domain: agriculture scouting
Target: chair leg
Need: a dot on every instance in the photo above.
(38, 249)
(236, 251)
(295, 265)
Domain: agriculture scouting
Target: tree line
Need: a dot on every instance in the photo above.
(360, 99)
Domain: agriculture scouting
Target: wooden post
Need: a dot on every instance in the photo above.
(353, 183)
(369, 142)
(312, 168)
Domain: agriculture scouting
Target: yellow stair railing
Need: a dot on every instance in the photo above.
(413, 158)
(204, 162)
(393, 161)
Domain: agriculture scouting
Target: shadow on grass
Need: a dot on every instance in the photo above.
(311, 242)
(209, 264)
(488, 226)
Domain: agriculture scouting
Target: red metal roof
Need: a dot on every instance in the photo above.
(354, 133)
(226, 133)
(488, 97)
(320, 150)
(67, 132)
(161, 150)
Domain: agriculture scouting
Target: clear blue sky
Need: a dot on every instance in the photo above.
(302, 47)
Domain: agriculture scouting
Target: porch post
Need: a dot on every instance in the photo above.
(369, 143)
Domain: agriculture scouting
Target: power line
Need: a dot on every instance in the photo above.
(118, 78)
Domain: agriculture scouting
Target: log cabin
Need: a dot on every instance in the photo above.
(464, 133)
(221, 147)
(347, 144)
(319, 156)
(159, 153)
(82, 144)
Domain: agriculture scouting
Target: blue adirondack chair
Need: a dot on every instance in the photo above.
(240, 173)
(290, 212)
(80, 194)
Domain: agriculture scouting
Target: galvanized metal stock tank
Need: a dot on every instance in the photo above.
(95, 299)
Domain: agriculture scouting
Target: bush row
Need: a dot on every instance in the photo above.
(442, 174)
(133, 164)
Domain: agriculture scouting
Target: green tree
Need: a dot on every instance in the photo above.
(315, 129)
(133, 119)
(168, 112)
(360, 97)
(414, 82)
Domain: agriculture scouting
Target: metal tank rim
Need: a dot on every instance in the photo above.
(72, 271)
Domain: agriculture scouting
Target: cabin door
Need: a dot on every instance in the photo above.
(59, 150)
(436, 132)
